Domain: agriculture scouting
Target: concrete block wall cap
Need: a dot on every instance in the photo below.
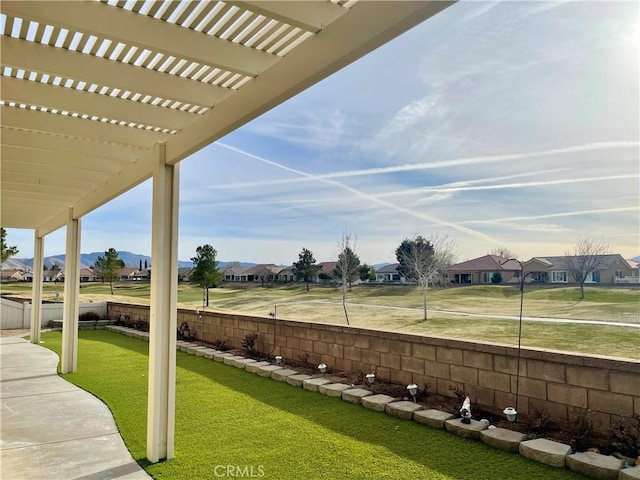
(402, 409)
(545, 451)
(333, 389)
(297, 380)
(376, 402)
(282, 374)
(465, 430)
(595, 465)
(431, 417)
(355, 395)
(630, 473)
(503, 439)
(313, 384)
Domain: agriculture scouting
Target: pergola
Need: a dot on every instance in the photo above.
(99, 96)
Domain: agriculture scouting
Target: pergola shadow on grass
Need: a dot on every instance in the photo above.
(227, 418)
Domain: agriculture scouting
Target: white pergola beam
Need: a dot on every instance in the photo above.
(71, 296)
(60, 160)
(133, 29)
(59, 144)
(30, 180)
(93, 104)
(24, 118)
(36, 290)
(310, 15)
(163, 321)
(91, 69)
(50, 171)
(366, 27)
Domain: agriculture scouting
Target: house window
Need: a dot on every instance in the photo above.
(486, 277)
(592, 277)
(559, 277)
(619, 274)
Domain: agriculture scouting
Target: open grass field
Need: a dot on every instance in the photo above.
(225, 416)
(397, 308)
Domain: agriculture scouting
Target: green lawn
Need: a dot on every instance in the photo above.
(225, 416)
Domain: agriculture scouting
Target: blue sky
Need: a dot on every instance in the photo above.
(512, 124)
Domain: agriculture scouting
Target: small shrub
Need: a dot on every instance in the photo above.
(461, 394)
(581, 427)
(88, 316)
(539, 423)
(625, 436)
(184, 332)
(222, 345)
(141, 325)
(496, 278)
(250, 344)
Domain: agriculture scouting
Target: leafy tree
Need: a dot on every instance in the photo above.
(145, 265)
(205, 272)
(422, 260)
(6, 251)
(367, 273)
(586, 257)
(347, 269)
(496, 277)
(305, 268)
(55, 267)
(44, 267)
(503, 252)
(140, 265)
(108, 267)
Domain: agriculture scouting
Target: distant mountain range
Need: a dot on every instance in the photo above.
(88, 259)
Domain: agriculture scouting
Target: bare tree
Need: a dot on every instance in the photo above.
(423, 260)
(586, 257)
(503, 252)
(347, 269)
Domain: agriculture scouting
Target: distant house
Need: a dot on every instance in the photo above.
(234, 273)
(52, 276)
(389, 274)
(87, 275)
(480, 270)
(264, 272)
(143, 275)
(127, 274)
(184, 274)
(286, 275)
(9, 276)
(553, 270)
(324, 274)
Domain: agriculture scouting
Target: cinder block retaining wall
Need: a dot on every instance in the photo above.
(558, 383)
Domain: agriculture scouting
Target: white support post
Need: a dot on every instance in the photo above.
(71, 296)
(164, 296)
(36, 291)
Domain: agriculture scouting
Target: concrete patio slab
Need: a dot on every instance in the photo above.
(51, 428)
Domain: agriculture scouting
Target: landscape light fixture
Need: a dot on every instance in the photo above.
(322, 367)
(511, 413)
(370, 377)
(413, 390)
(522, 277)
(278, 359)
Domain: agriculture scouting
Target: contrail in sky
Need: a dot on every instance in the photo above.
(433, 165)
(364, 195)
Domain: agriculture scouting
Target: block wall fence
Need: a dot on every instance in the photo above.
(561, 384)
